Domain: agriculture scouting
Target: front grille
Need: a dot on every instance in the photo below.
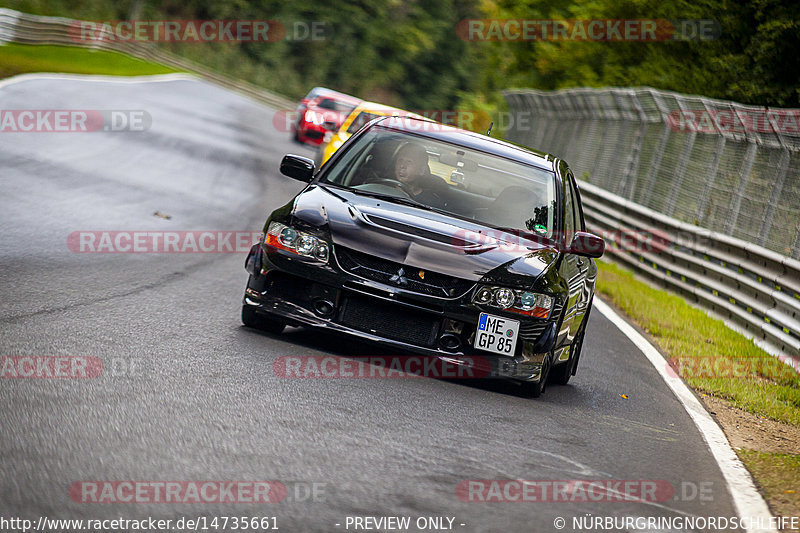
(388, 272)
(388, 320)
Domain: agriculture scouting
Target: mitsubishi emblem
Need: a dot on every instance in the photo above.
(399, 278)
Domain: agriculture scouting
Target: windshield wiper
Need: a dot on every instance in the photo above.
(330, 190)
(395, 199)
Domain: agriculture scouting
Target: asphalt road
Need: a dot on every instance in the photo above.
(188, 393)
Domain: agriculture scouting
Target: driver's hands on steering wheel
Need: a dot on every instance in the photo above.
(391, 182)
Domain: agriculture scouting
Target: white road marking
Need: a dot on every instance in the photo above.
(746, 498)
(175, 76)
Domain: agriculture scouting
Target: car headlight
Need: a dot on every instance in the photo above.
(283, 237)
(305, 244)
(528, 303)
(314, 118)
(483, 295)
(504, 297)
(321, 252)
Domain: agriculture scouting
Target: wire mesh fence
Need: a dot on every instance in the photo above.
(727, 167)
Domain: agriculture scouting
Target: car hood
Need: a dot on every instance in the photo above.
(423, 239)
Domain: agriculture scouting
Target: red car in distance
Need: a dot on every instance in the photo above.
(320, 111)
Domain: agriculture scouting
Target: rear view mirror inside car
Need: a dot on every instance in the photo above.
(454, 160)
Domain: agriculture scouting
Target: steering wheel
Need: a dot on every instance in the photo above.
(390, 182)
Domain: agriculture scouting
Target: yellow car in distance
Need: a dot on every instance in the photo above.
(362, 114)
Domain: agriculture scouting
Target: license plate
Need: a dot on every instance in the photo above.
(496, 334)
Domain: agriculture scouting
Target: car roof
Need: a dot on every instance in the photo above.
(469, 139)
(381, 109)
(317, 92)
(341, 97)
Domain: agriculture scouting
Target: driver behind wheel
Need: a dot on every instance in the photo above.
(412, 172)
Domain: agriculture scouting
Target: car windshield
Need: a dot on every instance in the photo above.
(469, 184)
(362, 118)
(335, 105)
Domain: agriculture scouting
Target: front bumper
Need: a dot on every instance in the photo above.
(310, 133)
(327, 298)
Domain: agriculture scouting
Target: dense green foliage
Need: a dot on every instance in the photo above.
(754, 60)
(408, 53)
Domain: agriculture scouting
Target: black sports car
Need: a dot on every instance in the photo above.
(436, 241)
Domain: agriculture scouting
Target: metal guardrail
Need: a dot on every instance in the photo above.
(695, 210)
(744, 284)
(721, 165)
(33, 29)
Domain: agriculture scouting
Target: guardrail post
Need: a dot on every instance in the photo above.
(738, 195)
(680, 170)
(774, 197)
(655, 164)
(705, 195)
(626, 188)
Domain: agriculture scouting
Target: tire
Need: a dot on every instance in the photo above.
(251, 319)
(534, 390)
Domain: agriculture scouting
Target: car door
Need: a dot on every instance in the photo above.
(586, 267)
(571, 266)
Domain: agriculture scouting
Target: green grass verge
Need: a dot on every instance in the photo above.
(23, 58)
(777, 474)
(711, 357)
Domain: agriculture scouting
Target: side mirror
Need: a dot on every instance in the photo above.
(587, 244)
(297, 167)
(329, 125)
